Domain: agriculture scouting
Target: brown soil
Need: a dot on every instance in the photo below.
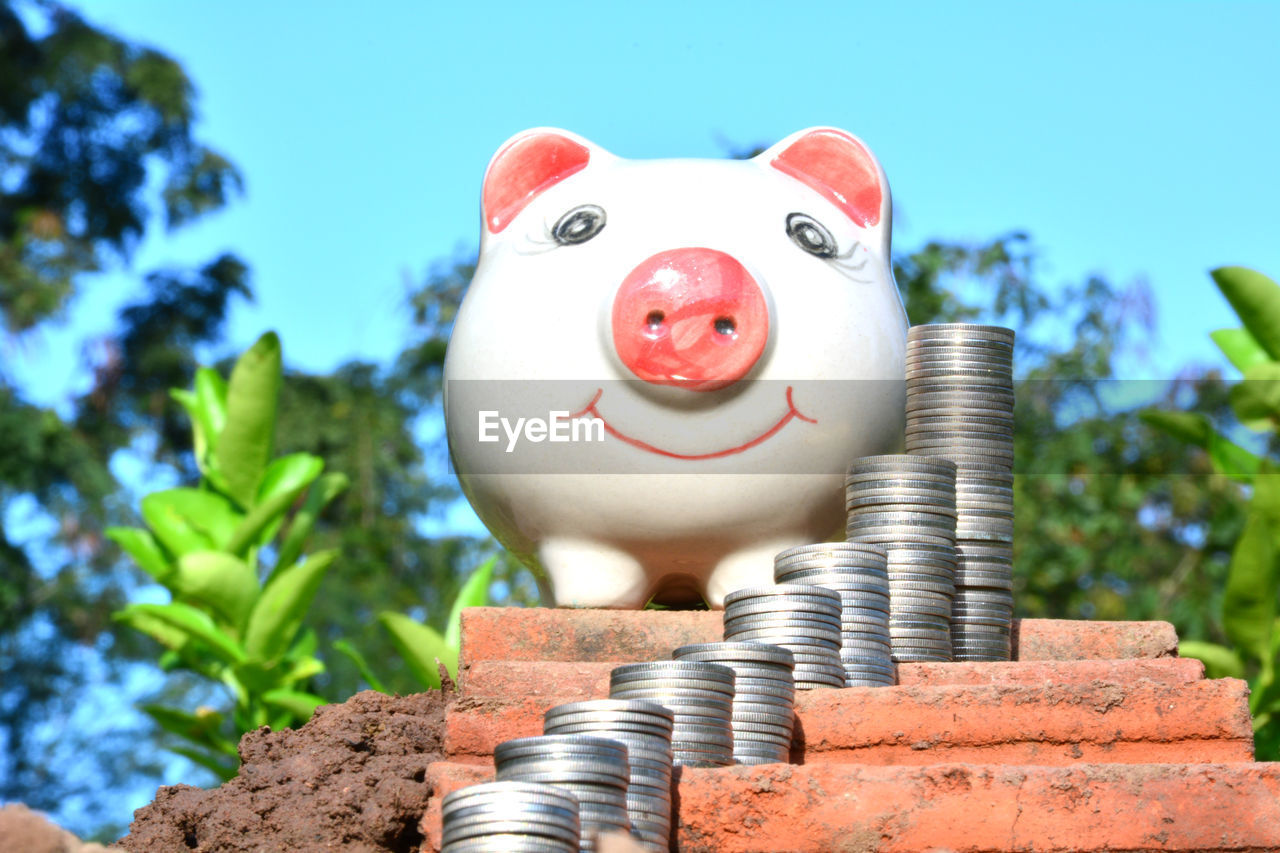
(354, 779)
(25, 831)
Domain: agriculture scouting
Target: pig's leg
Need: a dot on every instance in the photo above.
(749, 567)
(591, 574)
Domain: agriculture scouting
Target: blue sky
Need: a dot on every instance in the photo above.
(1129, 139)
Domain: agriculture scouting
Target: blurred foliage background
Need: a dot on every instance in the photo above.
(1115, 520)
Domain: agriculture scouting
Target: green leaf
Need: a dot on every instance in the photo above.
(300, 705)
(284, 481)
(143, 548)
(199, 427)
(322, 492)
(1219, 661)
(1194, 428)
(1249, 600)
(1240, 348)
(302, 669)
(421, 646)
(1258, 396)
(201, 727)
(474, 593)
(192, 623)
(284, 602)
(244, 446)
(211, 397)
(224, 770)
(186, 520)
(163, 632)
(1256, 301)
(217, 579)
(353, 654)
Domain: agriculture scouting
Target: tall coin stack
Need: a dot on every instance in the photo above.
(907, 505)
(763, 700)
(858, 573)
(645, 729)
(700, 697)
(527, 817)
(960, 406)
(594, 769)
(801, 618)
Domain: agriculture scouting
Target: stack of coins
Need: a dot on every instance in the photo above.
(907, 505)
(645, 729)
(763, 700)
(594, 769)
(700, 698)
(510, 816)
(801, 618)
(960, 406)
(858, 573)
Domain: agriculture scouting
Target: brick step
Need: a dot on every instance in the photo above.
(964, 808)
(575, 680)
(551, 634)
(1143, 721)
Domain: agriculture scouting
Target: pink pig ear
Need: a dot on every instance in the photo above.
(837, 165)
(528, 164)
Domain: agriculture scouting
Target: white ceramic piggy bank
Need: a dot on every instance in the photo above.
(662, 368)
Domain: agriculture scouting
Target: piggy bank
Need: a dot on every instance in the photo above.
(662, 368)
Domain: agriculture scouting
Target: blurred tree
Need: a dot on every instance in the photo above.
(1114, 519)
(87, 122)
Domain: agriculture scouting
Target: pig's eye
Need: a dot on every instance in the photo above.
(808, 233)
(579, 225)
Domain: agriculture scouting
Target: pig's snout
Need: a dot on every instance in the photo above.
(690, 317)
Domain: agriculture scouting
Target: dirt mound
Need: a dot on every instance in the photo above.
(25, 831)
(351, 779)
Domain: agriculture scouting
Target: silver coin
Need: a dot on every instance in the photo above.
(898, 536)
(839, 580)
(568, 747)
(793, 641)
(641, 710)
(784, 694)
(725, 653)
(706, 689)
(564, 767)
(947, 419)
(784, 607)
(983, 595)
(899, 462)
(942, 519)
(838, 550)
(781, 589)
(867, 568)
(676, 699)
(698, 670)
(454, 832)
(958, 398)
(940, 483)
(510, 843)
(959, 357)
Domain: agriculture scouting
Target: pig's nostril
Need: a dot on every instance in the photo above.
(653, 322)
(725, 326)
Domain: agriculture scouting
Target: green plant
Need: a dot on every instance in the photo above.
(1249, 604)
(422, 648)
(210, 546)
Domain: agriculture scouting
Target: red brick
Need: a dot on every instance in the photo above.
(964, 808)
(568, 681)
(968, 808)
(539, 633)
(1139, 722)
(1144, 721)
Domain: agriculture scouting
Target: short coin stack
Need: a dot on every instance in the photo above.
(645, 729)
(858, 573)
(700, 697)
(764, 696)
(960, 406)
(907, 505)
(517, 816)
(594, 769)
(801, 618)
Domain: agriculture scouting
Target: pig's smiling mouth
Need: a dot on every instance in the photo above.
(792, 412)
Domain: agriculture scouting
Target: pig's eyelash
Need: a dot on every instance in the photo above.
(536, 244)
(844, 261)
